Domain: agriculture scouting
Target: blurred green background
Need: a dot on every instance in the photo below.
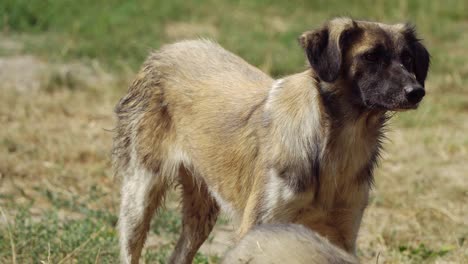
(121, 33)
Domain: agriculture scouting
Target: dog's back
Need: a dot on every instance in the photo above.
(286, 243)
(190, 91)
(195, 72)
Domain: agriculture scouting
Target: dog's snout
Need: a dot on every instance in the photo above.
(414, 93)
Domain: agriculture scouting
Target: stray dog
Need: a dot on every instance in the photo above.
(286, 243)
(300, 149)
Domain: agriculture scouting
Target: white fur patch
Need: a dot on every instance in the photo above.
(135, 191)
(277, 191)
(226, 207)
(305, 124)
(175, 158)
(273, 92)
(281, 200)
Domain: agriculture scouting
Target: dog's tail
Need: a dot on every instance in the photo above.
(286, 243)
(144, 126)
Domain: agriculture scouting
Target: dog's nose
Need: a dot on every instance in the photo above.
(414, 93)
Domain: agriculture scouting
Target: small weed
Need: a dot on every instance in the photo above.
(222, 220)
(160, 255)
(204, 259)
(422, 252)
(10, 145)
(167, 222)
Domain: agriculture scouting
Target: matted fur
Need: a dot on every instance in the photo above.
(286, 243)
(296, 150)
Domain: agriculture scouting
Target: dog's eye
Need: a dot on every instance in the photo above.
(371, 56)
(407, 61)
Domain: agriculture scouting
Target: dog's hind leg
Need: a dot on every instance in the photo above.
(200, 212)
(143, 133)
(142, 193)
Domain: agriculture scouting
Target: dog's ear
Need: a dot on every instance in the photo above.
(325, 47)
(422, 58)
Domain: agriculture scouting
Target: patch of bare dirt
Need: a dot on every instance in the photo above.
(28, 73)
(23, 73)
(10, 45)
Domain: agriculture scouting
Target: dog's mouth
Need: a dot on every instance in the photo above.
(405, 108)
(392, 107)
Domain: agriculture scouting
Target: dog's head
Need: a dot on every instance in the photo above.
(384, 65)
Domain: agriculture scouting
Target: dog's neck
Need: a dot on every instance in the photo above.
(336, 105)
(307, 119)
(349, 121)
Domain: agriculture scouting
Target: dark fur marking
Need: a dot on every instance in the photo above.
(301, 178)
(325, 54)
(253, 109)
(244, 119)
(367, 173)
(421, 55)
(337, 116)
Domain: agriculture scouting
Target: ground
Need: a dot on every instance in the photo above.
(63, 67)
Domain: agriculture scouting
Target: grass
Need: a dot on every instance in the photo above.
(86, 236)
(129, 29)
(54, 239)
(58, 198)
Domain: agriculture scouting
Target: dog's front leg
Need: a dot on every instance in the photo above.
(340, 223)
(272, 200)
(252, 214)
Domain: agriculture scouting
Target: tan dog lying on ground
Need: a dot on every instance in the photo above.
(300, 149)
(286, 243)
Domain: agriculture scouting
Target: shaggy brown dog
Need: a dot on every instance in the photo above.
(300, 149)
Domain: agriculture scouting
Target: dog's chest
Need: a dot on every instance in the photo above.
(342, 159)
(345, 157)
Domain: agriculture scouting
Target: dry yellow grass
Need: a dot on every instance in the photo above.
(58, 140)
(55, 139)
